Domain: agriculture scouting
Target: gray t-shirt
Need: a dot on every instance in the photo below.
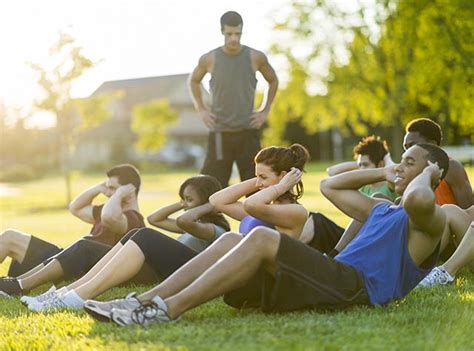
(197, 244)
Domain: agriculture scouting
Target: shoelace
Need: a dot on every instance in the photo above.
(438, 276)
(46, 296)
(144, 313)
(54, 302)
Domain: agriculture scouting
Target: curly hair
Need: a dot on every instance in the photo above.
(372, 146)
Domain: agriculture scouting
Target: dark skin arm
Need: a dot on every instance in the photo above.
(459, 184)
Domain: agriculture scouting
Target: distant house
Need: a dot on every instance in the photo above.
(113, 140)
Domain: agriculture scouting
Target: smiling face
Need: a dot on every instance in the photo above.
(191, 198)
(414, 160)
(112, 184)
(232, 37)
(266, 177)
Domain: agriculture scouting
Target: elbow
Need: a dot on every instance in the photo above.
(213, 200)
(251, 207)
(110, 221)
(324, 186)
(183, 223)
(422, 200)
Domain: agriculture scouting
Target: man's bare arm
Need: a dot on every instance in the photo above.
(342, 190)
(268, 73)
(459, 184)
(81, 206)
(112, 215)
(195, 89)
(419, 202)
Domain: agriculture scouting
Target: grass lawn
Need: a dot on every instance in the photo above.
(433, 319)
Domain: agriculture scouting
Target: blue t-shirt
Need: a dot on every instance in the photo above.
(249, 222)
(380, 253)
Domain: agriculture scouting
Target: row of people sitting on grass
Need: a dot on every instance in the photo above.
(327, 267)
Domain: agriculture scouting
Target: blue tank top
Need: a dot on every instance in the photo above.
(380, 253)
(249, 222)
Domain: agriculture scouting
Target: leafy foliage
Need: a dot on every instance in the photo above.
(150, 121)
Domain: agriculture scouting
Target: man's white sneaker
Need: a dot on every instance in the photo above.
(146, 314)
(102, 310)
(437, 276)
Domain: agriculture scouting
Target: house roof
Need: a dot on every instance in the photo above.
(173, 88)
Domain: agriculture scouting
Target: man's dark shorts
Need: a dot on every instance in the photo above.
(305, 279)
(38, 250)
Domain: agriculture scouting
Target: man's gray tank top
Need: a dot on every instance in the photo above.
(232, 84)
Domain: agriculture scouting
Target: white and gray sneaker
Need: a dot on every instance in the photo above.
(102, 310)
(437, 276)
(153, 312)
(53, 303)
(26, 300)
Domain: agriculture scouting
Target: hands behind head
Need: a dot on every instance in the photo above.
(390, 173)
(434, 171)
(291, 178)
(126, 191)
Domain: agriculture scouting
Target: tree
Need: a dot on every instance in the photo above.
(55, 80)
(150, 121)
(384, 64)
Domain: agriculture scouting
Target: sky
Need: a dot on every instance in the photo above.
(131, 39)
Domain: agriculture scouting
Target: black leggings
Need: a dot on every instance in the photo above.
(80, 257)
(162, 253)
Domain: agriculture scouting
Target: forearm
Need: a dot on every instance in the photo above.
(196, 95)
(341, 168)
(354, 179)
(271, 93)
(85, 198)
(193, 214)
(266, 196)
(112, 210)
(419, 196)
(233, 193)
(163, 213)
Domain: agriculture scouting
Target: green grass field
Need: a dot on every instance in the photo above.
(434, 319)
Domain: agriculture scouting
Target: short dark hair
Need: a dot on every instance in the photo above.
(436, 154)
(126, 174)
(231, 19)
(372, 146)
(428, 129)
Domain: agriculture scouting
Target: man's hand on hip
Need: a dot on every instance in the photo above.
(257, 119)
(208, 118)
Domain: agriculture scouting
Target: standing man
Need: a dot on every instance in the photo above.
(234, 126)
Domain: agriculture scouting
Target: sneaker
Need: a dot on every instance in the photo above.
(145, 314)
(10, 287)
(53, 303)
(26, 300)
(438, 276)
(102, 310)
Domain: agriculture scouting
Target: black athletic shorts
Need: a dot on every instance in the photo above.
(163, 254)
(326, 233)
(38, 250)
(305, 279)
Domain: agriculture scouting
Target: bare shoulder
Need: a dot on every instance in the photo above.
(456, 169)
(207, 60)
(258, 56)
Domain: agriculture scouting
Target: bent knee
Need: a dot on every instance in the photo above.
(263, 236)
(13, 237)
(229, 238)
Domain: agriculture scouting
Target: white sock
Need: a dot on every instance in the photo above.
(72, 299)
(20, 282)
(161, 303)
(62, 290)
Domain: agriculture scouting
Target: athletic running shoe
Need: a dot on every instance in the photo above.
(53, 303)
(438, 276)
(9, 287)
(101, 310)
(146, 314)
(26, 300)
